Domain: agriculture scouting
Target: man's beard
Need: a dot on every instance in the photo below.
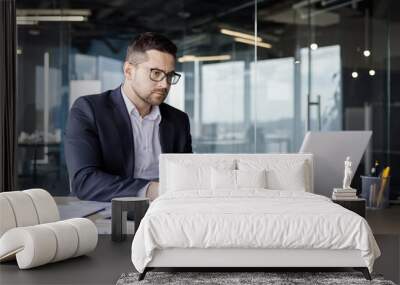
(161, 95)
(148, 99)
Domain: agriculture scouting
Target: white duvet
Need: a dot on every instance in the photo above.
(251, 218)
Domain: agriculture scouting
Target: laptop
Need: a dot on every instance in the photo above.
(330, 150)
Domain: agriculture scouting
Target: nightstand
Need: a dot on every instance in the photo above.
(356, 205)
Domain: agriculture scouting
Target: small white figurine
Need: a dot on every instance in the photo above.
(348, 174)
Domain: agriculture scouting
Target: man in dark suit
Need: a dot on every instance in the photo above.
(113, 139)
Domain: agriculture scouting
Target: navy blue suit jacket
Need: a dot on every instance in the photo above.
(99, 147)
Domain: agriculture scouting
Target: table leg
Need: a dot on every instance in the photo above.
(118, 222)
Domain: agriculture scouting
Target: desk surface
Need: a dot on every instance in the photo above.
(385, 221)
(64, 200)
(102, 266)
(110, 259)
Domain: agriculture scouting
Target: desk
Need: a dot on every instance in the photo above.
(110, 259)
(385, 224)
(102, 266)
(102, 219)
(385, 221)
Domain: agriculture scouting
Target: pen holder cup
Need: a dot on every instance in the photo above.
(375, 190)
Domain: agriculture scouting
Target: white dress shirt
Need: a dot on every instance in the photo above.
(146, 141)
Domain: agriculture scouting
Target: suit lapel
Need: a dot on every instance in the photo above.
(124, 127)
(165, 132)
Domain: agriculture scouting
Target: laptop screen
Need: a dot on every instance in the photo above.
(330, 150)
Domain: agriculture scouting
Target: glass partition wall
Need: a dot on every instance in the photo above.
(256, 75)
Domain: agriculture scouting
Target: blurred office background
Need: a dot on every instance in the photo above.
(317, 65)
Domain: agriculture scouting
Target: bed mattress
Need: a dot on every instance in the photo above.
(250, 219)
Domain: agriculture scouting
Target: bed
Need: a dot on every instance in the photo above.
(246, 211)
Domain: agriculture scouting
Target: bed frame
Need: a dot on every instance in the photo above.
(242, 259)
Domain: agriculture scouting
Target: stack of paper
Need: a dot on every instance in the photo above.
(80, 209)
(344, 194)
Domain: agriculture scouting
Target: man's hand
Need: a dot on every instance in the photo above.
(152, 190)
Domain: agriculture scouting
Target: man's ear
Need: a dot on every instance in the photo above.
(129, 70)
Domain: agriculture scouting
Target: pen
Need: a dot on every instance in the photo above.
(384, 178)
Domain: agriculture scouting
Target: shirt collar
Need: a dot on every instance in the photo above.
(132, 110)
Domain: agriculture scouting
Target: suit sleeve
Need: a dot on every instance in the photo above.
(84, 159)
(188, 145)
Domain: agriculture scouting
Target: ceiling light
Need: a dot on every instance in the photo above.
(34, 16)
(367, 53)
(53, 12)
(26, 22)
(240, 35)
(303, 4)
(354, 74)
(371, 72)
(249, 42)
(190, 58)
(52, 18)
(313, 46)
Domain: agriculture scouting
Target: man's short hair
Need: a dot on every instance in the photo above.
(139, 45)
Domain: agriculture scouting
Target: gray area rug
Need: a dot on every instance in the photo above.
(228, 278)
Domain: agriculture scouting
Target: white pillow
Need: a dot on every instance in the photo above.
(223, 179)
(251, 178)
(185, 175)
(236, 179)
(282, 174)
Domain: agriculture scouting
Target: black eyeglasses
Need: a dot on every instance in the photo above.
(158, 75)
